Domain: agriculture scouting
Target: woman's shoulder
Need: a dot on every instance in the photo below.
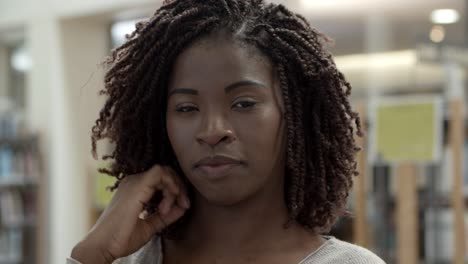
(147, 254)
(338, 251)
(332, 251)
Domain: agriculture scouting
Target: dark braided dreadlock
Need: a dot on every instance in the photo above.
(320, 122)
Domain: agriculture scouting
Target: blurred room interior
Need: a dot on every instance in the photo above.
(406, 60)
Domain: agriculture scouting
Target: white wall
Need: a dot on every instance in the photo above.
(17, 12)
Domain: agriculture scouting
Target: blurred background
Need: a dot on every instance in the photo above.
(406, 60)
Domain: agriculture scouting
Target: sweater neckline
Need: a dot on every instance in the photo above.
(326, 243)
(329, 240)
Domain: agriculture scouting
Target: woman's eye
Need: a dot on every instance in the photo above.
(186, 109)
(244, 104)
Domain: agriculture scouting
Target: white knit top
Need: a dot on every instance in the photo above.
(331, 252)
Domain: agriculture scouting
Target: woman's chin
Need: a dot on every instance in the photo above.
(224, 198)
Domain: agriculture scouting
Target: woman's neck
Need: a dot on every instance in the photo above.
(237, 226)
(254, 225)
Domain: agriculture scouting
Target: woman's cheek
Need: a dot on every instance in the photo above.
(181, 137)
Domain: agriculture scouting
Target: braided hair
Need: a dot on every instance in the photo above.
(320, 123)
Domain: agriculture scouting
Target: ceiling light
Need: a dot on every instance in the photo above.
(444, 16)
(437, 34)
(20, 59)
(376, 61)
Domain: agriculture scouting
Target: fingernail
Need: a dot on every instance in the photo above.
(143, 215)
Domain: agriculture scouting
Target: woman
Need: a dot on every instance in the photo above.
(234, 141)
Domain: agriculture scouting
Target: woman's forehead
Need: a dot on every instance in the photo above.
(217, 60)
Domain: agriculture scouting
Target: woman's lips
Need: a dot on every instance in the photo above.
(217, 171)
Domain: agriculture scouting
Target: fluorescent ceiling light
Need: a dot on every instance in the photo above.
(376, 61)
(444, 16)
(20, 59)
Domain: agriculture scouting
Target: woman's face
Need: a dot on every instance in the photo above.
(225, 122)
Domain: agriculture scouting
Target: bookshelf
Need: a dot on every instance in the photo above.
(418, 209)
(21, 200)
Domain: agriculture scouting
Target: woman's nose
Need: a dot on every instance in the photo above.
(215, 130)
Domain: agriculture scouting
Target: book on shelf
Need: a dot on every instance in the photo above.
(11, 246)
(20, 168)
(18, 150)
(438, 234)
(30, 207)
(6, 163)
(445, 181)
(11, 208)
(19, 164)
(12, 121)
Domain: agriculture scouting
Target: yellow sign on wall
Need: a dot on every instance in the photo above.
(102, 195)
(408, 129)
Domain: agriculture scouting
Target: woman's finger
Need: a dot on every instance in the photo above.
(158, 222)
(155, 180)
(169, 182)
(183, 198)
(183, 201)
(154, 223)
(175, 213)
(167, 201)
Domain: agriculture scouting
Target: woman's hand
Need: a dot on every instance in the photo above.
(125, 226)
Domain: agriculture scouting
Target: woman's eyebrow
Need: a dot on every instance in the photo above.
(183, 91)
(228, 88)
(235, 85)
